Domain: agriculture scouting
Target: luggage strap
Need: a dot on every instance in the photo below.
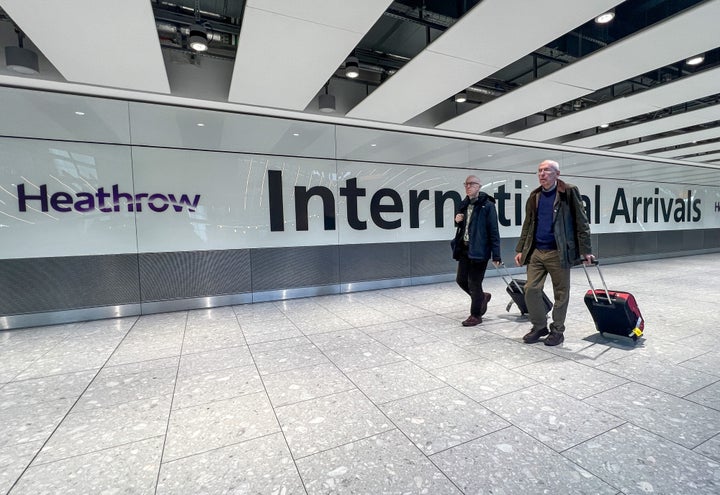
(596, 263)
(507, 272)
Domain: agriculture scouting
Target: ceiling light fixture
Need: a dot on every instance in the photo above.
(352, 67)
(326, 102)
(696, 60)
(198, 38)
(461, 97)
(606, 17)
(21, 59)
(604, 126)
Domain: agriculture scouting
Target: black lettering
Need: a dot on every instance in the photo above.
(637, 203)
(665, 211)
(352, 192)
(620, 207)
(86, 202)
(59, 200)
(696, 209)
(501, 196)
(440, 199)
(275, 202)
(138, 202)
(302, 198)
(101, 197)
(415, 200)
(117, 196)
(679, 215)
(163, 203)
(376, 208)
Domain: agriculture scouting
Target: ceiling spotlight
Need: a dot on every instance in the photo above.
(21, 59)
(696, 60)
(461, 97)
(326, 103)
(606, 17)
(198, 38)
(604, 126)
(352, 67)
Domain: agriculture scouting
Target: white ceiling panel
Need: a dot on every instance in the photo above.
(688, 150)
(471, 42)
(525, 100)
(679, 121)
(685, 137)
(705, 158)
(431, 74)
(96, 42)
(682, 90)
(651, 48)
(288, 50)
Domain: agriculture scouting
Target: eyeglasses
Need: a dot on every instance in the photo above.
(546, 171)
(468, 184)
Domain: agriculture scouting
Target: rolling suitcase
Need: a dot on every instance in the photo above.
(516, 290)
(614, 312)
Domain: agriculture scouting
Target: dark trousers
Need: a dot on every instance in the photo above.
(470, 275)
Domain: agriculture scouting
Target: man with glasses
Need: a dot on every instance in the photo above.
(476, 242)
(555, 236)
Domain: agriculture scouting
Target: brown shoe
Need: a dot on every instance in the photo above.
(555, 338)
(472, 321)
(486, 299)
(534, 335)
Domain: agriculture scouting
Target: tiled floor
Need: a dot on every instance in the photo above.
(378, 392)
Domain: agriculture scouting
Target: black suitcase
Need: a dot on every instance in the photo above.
(614, 312)
(516, 290)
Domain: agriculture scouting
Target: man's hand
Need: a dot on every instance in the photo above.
(459, 217)
(588, 259)
(518, 257)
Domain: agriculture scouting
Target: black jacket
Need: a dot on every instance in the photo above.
(483, 232)
(570, 226)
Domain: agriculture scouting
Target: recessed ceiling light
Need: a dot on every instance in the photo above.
(461, 97)
(352, 67)
(696, 60)
(604, 126)
(606, 17)
(373, 145)
(200, 124)
(79, 113)
(296, 134)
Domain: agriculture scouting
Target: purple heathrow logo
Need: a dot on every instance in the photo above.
(104, 201)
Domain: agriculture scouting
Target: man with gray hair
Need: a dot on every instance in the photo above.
(555, 236)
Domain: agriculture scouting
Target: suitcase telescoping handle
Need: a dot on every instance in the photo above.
(507, 272)
(597, 265)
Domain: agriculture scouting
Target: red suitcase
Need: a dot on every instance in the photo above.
(614, 312)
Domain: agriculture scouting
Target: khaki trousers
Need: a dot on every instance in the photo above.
(540, 265)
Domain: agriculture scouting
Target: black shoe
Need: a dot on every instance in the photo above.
(555, 338)
(534, 335)
(486, 299)
(472, 321)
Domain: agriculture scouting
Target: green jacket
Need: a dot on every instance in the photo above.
(570, 226)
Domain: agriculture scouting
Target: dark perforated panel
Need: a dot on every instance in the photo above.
(37, 285)
(364, 262)
(294, 267)
(431, 258)
(179, 275)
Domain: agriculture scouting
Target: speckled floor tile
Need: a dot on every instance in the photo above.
(440, 419)
(13, 461)
(394, 381)
(341, 338)
(571, 377)
(433, 355)
(676, 419)
(592, 350)
(31, 422)
(383, 464)
(288, 387)
(108, 390)
(639, 462)
(102, 428)
(509, 354)
(197, 429)
(708, 362)
(552, 417)
(400, 338)
(512, 462)
(127, 469)
(262, 465)
(70, 357)
(662, 375)
(327, 422)
(218, 359)
(34, 390)
(194, 389)
(711, 448)
(707, 396)
(288, 358)
(481, 379)
(362, 356)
